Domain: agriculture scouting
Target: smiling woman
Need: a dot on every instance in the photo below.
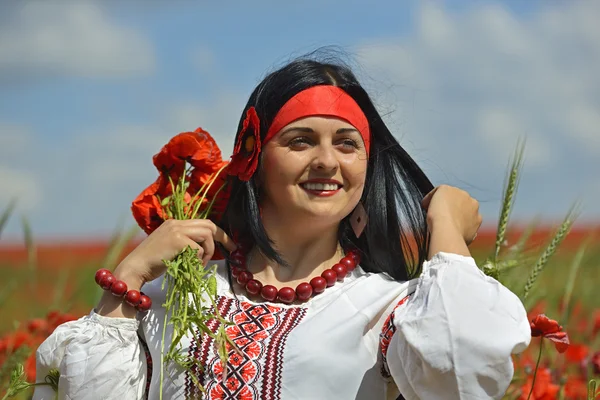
(347, 273)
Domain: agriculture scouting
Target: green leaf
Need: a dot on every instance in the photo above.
(560, 234)
(212, 285)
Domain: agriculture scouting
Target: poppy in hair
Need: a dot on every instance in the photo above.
(244, 160)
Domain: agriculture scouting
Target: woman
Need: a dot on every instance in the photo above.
(318, 182)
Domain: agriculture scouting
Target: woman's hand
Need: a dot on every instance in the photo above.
(145, 262)
(452, 218)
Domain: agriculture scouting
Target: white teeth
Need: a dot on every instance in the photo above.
(320, 186)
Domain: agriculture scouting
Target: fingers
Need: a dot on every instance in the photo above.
(221, 237)
(203, 233)
(217, 233)
(202, 236)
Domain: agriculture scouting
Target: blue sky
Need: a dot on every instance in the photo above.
(89, 91)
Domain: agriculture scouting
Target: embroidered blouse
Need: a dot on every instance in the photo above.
(448, 334)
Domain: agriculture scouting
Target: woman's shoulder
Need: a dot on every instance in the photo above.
(375, 291)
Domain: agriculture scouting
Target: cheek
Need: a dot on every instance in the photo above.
(274, 171)
(356, 171)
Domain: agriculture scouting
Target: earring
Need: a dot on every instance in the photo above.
(358, 219)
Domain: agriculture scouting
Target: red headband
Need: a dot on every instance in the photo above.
(324, 100)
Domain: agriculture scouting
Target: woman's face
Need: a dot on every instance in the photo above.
(314, 168)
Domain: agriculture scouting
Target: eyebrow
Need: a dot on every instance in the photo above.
(306, 129)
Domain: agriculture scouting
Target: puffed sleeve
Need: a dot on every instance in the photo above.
(454, 336)
(98, 358)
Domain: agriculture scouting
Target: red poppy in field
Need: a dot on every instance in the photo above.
(17, 340)
(550, 329)
(575, 388)
(543, 387)
(538, 308)
(244, 160)
(55, 319)
(37, 325)
(198, 148)
(30, 367)
(576, 353)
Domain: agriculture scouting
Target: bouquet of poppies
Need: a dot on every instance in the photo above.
(191, 184)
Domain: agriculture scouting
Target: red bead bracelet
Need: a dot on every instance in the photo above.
(134, 298)
(287, 295)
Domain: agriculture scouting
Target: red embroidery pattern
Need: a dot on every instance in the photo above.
(385, 337)
(260, 331)
(201, 353)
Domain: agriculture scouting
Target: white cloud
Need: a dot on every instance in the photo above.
(583, 122)
(465, 72)
(502, 129)
(74, 39)
(22, 185)
(16, 181)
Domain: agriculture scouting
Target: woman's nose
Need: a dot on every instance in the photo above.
(325, 158)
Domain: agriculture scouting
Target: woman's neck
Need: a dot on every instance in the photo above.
(309, 249)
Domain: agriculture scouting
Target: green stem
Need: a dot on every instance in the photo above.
(8, 393)
(537, 364)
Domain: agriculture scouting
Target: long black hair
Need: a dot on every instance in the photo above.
(395, 240)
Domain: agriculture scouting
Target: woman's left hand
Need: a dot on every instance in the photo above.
(452, 210)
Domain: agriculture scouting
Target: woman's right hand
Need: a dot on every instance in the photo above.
(145, 262)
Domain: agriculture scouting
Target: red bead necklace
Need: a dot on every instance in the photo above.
(287, 295)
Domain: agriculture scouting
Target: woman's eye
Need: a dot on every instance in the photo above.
(349, 143)
(300, 141)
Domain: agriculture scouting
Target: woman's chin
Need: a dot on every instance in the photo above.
(321, 215)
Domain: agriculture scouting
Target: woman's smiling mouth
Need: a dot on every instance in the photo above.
(321, 187)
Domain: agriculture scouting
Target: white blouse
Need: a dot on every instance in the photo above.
(448, 334)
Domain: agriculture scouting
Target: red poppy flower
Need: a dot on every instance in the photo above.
(37, 325)
(30, 367)
(55, 319)
(17, 340)
(244, 160)
(576, 388)
(198, 148)
(538, 308)
(576, 353)
(543, 388)
(550, 329)
(146, 208)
